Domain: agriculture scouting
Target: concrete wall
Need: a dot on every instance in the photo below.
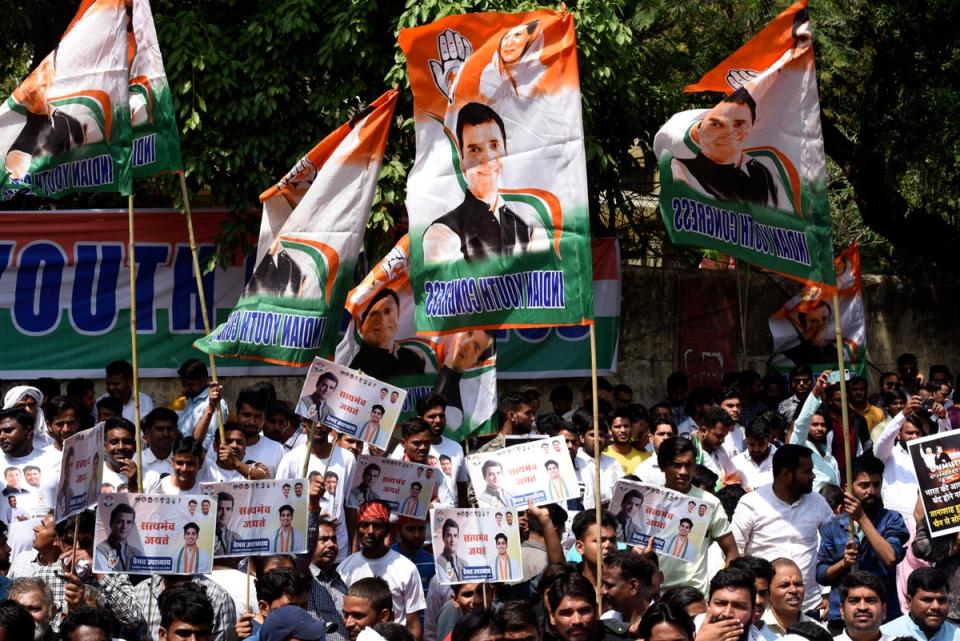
(900, 317)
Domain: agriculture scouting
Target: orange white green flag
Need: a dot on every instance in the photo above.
(310, 236)
(497, 197)
(156, 141)
(748, 177)
(66, 128)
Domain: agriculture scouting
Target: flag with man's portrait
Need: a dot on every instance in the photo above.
(66, 127)
(497, 197)
(748, 176)
(311, 233)
(382, 341)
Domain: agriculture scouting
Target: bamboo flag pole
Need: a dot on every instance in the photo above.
(133, 344)
(306, 459)
(200, 293)
(844, 412)
(596, 463)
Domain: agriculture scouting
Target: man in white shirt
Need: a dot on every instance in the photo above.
(784, 519)
(731, 404)
(649, 471)
(251, 406)
(18, 453)
(755, 464)
(186, 461)
(711, 433)
(610, 470)
(120, 387)
(863, 598)
(376, 558)
(160, 432)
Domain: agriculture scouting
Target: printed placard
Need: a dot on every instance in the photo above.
(936, 460)
(154, 533)
(260, 517)
(350, 402)
(677, 522)
(79, 486)
(476, 545)
(540, 470)
(406, 487)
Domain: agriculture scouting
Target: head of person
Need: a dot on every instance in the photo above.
(863, 599)
(469, 597)
(515, 412)
(714, 427)
(621, 427)
(666, 622)
(483, 625)
(676, 459)
(929, 599)
(378, 322)
(108, 407)
(912, 429)
(160, 430)
(186, 461)
(82, 391)
(519, 621)
(561, 398)
(16, 432)
(286, 515)
(907, 367)
(122, 524)
(867, 482)
(801, 380)
(327, 385)
(120, 380)
(570, 435)
(87, 624)
(15, 621)
(757, 437)
(590, 433)
(772, 389)
(493, 474)
(251, 406)
(264, 564)
(193, 377)
(416, 438)
(699, 400)
(762, 572)
(235, 439)
(367, 602)
(373, 525)
(432, 409)
(278, 422)
(572, 605)
(631, 505)
(731, 403)
(793, 470)
(786, 589)
(292, 623)
(723, 131)
(63, 418)
(592, 540)
(662, 429)
(37, 597)
(732, 596)
(686, 597)
(282, 586)
(325, 554)
(626, 582)
(186, 613)
(482, 140)
(415, 489)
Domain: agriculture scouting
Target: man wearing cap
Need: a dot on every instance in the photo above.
(375, 558)
(291, 622)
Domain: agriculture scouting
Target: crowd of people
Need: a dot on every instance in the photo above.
(780, 559)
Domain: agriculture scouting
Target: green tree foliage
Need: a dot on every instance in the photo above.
(258, 83)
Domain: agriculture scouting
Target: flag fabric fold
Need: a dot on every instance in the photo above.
(748, 177)
(497, 197)
(66, 128)
(311, 232)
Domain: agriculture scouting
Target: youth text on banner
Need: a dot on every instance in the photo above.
(311, 232)
(499, 230)
(66, 128)
(747, 177)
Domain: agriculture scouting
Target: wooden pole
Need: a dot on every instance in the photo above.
(742, 311)
(133, 343)
(306, 459)
(203, 299)
(844, 412)
(596, 464)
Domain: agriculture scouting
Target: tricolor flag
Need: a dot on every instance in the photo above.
(747, 177)
(497, 197)
(310, 236)
(382, 341)
(66, 128)
(156, 141)
(803, 328)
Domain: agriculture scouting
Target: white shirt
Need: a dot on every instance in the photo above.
(687, 427)
(735, 442)
(146, 406)
(752, 474)
(234, 582)
(152, 464)
(400, 574)
(33, 482)
(114, 479)
(649, 472)
(153, 484)
(899, 491)
(341, 463)
(718, 462)
(266, 451)
(767, 527)
(610, 473)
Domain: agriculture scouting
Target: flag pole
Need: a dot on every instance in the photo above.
(844, 412)
(133, 344)
(596, 462)
(742, 310)
(310, 437)
(200, 294)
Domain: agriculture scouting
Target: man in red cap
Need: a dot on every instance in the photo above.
(375, 558)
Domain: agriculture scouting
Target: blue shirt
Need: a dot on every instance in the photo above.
(192, 412)
(833, 540)
(906, 627)
(426, 564)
